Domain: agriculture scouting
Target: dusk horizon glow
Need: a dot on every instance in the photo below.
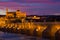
(32, 7)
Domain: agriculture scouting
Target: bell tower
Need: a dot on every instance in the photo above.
(6, 12)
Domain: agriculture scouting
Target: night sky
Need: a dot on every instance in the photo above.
(31, 7)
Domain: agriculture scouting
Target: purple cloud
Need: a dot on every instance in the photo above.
(39, 7)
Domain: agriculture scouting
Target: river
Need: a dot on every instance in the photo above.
(12, 36)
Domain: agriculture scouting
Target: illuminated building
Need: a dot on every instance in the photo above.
(35, 17)
(10, 14)
(20, 14)
(15, 15)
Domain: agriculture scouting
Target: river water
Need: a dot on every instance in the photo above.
(12, 36)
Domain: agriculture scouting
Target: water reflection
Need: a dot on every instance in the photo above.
(12, 36)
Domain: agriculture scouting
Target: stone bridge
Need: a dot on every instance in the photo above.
(41, 29)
